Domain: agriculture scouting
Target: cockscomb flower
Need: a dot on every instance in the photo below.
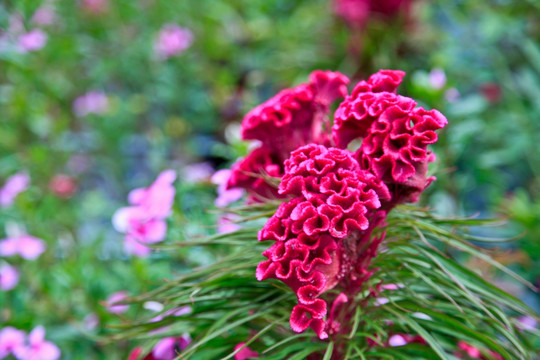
(395, 134)
(292, 118)
(318, 234)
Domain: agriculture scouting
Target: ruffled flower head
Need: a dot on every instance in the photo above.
(292, 118)
(316, 233)
(395, 134)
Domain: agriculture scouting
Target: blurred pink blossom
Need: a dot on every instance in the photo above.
(114, 298)
(172, 40)
(451, 95)
(10, 339)
(437, 79)
(225, 196)
(27, 246)
(245, 353)
(33, 40)
(166, 348)
(13, 186)
(38, 348)
(397, 340)
(144, 221)
(91, 321)
(528, 323)
(95, 7)
(197, 172)
(226, 224)
(9, 277)
(63, 186)
(44, 15)
(93, 102)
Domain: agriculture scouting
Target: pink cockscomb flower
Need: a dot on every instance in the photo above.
(172, 40)
(144, 221)
(93, 102)
(112, 303)
(9, 277)
(316, 234)
(13, 186)
(395, 134)
(244, 354)
(37, 348)
(26, 246)
(292, 118)
(33, 40)
(10, 340)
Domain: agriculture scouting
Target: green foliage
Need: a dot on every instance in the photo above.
(438, 299)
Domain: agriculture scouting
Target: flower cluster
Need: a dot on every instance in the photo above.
(144, 221)
(315, 233)
(339, 183)
(292, 118)
(31, 347)
(394, 133)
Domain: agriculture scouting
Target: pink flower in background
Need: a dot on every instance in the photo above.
(226, 224)
(93, 102)
(144, 221)
(95, 7)
(172, 40)
(225, 196)
(117, 297)
(10, 339)
(27, 246)
(437, 79)
(38, 348)
(13, 186)
(44, 15)
(197, 172)
(63, 186)
(245, 353)
(166, 348)
(9, 277)
(528, 323)
(33, 40)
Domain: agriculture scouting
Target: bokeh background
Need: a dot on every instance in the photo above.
(98, 96)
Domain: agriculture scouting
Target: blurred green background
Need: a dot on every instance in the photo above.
(478, 62)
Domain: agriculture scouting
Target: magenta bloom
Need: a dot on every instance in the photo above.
(13, 186)
(10, 340)
(317, 233)
(93, 102)
(245, 353)
(292, 118)
(33, 40)
(395, 134)
(38, 348)
(144, 221)
(172, 40)
(9, 277)
(437, 79)
(27, 246)
(115, 298)
(166, 348)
